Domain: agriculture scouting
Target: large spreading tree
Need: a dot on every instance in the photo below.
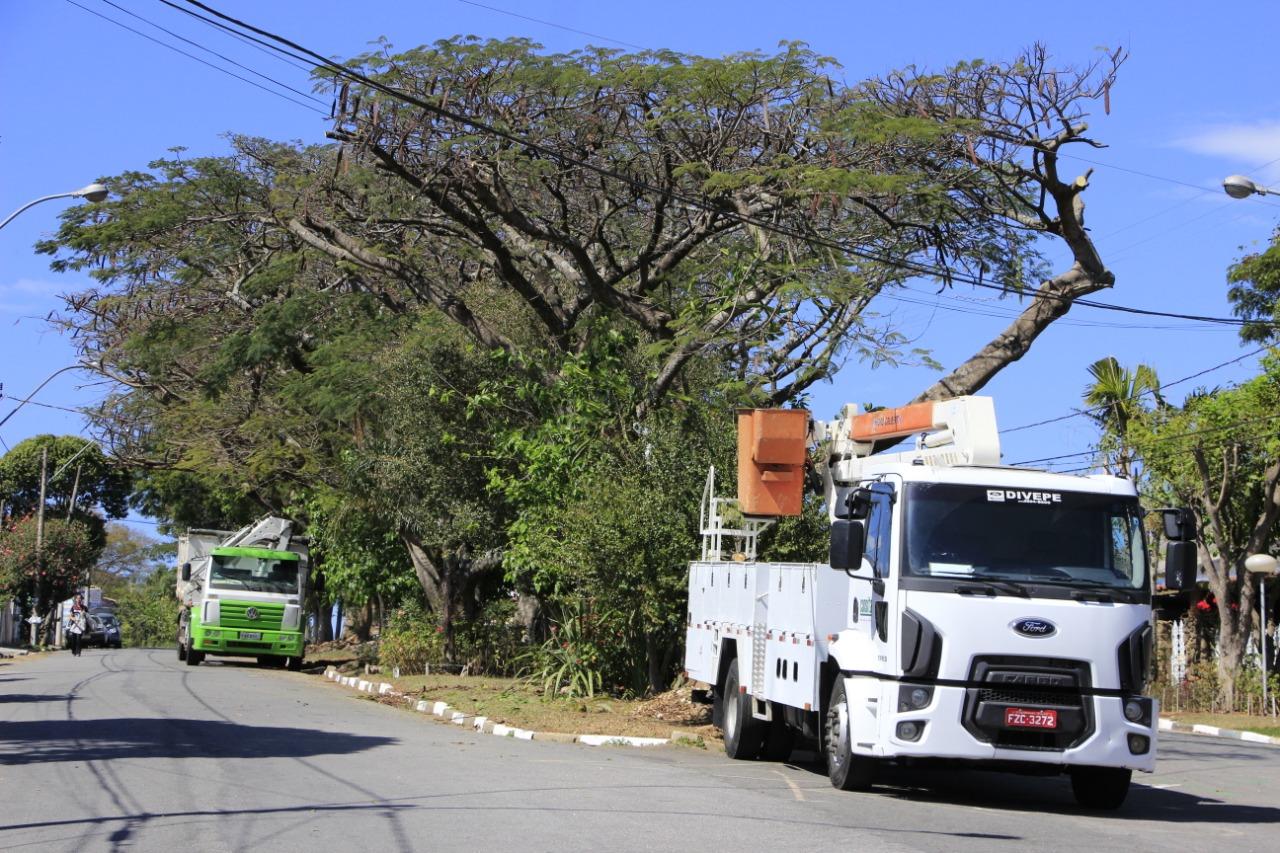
(627, 237)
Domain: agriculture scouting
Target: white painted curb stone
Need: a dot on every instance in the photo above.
(384, 689)
(439, 708)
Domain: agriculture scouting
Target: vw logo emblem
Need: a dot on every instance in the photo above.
(1034, 627)
(251, 614)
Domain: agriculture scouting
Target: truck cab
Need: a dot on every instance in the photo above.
(242, 599)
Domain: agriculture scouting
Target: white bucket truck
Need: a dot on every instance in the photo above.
(971, 613)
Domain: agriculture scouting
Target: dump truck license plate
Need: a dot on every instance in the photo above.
(1019, 718)
(251, 635)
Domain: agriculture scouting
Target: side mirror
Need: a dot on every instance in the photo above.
(1180, 565)
(1179, 524)
(848, 539)
(186, 571)
(857, 505)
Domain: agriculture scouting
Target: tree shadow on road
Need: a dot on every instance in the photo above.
(33, 697)
(42, 741)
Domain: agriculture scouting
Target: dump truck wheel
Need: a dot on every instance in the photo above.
(847, 771)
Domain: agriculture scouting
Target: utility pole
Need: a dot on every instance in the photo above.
(44, 467)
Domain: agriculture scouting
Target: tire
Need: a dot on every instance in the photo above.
(194, 658)
(847, 771)
(1102, 788)
(182, 644)
(293, 663)
(743, 733)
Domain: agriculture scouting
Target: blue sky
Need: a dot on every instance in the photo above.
(81, 98)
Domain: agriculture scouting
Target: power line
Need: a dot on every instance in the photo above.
(224, 58)
(537, 147)
(553, 24)
(1180, 437)
(1099, 409)
(197, 59)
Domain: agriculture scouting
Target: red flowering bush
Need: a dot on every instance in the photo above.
(42, 579)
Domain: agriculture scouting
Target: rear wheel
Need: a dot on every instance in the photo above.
(1100, 787)
(743, 733)
(847, 771)
(182, 641)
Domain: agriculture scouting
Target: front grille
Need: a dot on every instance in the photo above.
(232, 615)
(1013, 696)
(1011, 681)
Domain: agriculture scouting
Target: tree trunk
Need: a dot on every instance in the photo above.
(360, 623)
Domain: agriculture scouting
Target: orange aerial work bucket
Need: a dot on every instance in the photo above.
(772, 447)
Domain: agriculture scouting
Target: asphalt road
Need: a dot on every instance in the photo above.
(131, 750)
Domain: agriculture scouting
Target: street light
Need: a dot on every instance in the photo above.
(93, 192)
(1262, 565)
(1238, 186)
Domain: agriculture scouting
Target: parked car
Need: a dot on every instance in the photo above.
(104, 630)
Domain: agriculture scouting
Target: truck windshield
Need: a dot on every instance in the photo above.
(254, 573)
(989, 533)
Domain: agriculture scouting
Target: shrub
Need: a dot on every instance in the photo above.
(148, 611)
(411, 639)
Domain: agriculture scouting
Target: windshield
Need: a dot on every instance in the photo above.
(254, 573)
(987, 533)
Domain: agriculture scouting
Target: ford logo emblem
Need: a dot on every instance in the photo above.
(1034, 627)
(251, 614)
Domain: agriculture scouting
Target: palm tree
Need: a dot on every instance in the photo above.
(1115, 401)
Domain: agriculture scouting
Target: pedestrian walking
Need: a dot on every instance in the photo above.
(77, 624)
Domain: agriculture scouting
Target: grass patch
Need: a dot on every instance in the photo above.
(514, 702)
(1236, 722)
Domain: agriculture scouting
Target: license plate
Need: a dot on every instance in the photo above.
(251, 635)
(1023, 719)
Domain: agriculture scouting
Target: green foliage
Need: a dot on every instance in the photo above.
(805, 538)
(1117, 397)
(492, 640)
(411, 639)
(570, 662)
(102, 489)
(358, 551)
(1255, 293)
(41, 578)
(148, 610)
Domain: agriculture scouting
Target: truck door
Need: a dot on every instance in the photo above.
(877, 557)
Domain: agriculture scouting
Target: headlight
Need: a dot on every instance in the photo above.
(1133, 710)
(213, 635)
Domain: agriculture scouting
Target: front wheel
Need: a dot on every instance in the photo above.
(1100, 787)
(294, 663)
(847, 771)
(194, 658)
(743, 733)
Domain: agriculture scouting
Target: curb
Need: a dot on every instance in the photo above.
(484, 725)
(1167, 725)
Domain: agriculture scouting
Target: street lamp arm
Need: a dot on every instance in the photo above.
(14, 215)
(92, 192)
(47, 380)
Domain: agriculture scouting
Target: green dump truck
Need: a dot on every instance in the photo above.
(242, 593)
